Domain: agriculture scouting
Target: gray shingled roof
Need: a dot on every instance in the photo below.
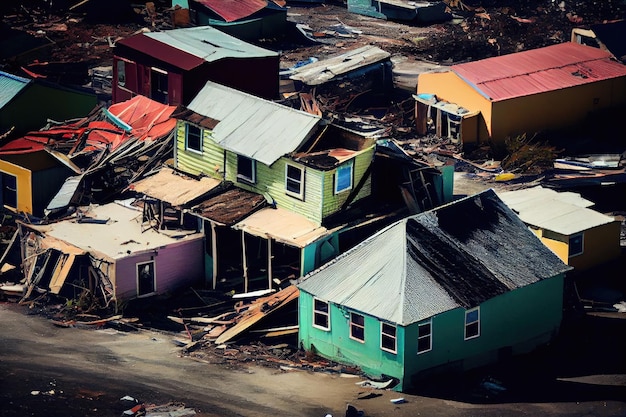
(458, 255)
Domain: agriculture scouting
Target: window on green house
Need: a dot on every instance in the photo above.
(321, 314)
(424, 337)
(193, 138)
(9, 190)
(357, 327)
(294, 184)
(388, 337)
(246, 169)
(343, 177)
(576, 244)
(472, 323)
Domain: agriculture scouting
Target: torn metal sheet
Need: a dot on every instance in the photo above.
(64, 196)
(283, 226)
(174, 188)
(229, 207)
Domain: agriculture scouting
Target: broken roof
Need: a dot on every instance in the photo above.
(119, 237)
(539, 70)
(283, 226)
(457, 255)
(188, 48)
(230, 206)
(325, 70)
(174, 188)
(612, 35)
(10, 86)
(251, 126)
(565, 213)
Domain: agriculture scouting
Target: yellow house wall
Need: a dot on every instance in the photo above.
(24, 188)
(600, 244)
(450, 87)
(553, 109)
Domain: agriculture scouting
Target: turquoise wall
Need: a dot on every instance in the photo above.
(522, 319)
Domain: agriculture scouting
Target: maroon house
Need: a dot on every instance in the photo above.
(172, 66)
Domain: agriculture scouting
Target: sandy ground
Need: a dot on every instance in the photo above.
(83, 372)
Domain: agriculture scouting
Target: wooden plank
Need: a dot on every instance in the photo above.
(255, 313)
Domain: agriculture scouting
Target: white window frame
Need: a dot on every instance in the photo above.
(240, 176)
(466, 326)
(300, 194)
(201, 138)
(582, 244)
(354, 325)
(389, 336)
(317, 312)
(348, 165)
(429, 336)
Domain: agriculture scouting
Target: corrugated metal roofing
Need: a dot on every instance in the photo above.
(230, 206)
(174, 188)
(564, 213)
(322, 71)
(231, 10)
(120, 237)
(188, 48)
(10, 86)
(251, 126)
(283, 226)
(539, 70)
(458, 255)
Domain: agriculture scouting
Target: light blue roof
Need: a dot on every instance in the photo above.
(10, 86)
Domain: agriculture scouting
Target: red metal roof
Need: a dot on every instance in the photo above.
(539, 70)
(231, 10)
(163, 52)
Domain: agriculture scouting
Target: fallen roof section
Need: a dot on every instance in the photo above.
(282, 225)
(232, 10)
(174, 188)
(251, 126)
(325, 70)
(229, 207)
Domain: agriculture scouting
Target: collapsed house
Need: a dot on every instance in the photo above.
(85, 160)
(446, 290)
(102, 255)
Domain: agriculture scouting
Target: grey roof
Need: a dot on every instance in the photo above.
(208, 43)
(458, 255)
(322, 71)
(561, 212)
(251, 126)
(10, 86)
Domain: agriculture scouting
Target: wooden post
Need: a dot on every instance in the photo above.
(244, 260)
(269, 263)
(214, 253)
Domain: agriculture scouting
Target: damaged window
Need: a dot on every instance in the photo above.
(388, 337)
(294, 181)
(576, 245)
(321, 314)
(146, 279)
(193, 138)
(424, 337)
(343, 177)
(357, 327)
(472, 323)
(121, 73)
(9, 190)
(246, 169)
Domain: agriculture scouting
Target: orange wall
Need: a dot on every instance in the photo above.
(600, 244)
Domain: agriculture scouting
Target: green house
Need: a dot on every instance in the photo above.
(446, 290)
(273, 150)
(305, 171)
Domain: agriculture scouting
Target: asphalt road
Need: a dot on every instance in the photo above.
(82, 372)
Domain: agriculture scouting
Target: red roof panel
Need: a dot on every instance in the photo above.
(231, 10)
(539, 70)
(163, 52)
